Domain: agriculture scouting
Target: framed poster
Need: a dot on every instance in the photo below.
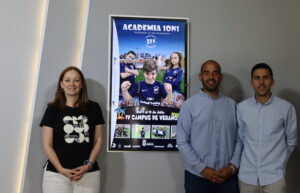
(148, 81)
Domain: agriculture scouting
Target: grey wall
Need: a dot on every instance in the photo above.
(236, 33)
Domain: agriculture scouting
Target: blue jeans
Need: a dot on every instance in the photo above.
(196, 184)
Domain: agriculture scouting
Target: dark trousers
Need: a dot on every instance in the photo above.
(196, 184)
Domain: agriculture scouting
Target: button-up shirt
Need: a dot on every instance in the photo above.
(207, 133)
(269, 135)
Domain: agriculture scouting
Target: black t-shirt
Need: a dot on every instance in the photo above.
(73, 133)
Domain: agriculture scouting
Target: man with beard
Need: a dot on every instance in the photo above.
(207, 137)
(268, 129)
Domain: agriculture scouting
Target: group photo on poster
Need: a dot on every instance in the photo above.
(148, 82)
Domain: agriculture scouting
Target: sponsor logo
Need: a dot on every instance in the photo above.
(159, 146)
(169, 145)
(144, 142)
(119, 146)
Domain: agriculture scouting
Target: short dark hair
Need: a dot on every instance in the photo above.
(261, 66)
(149, 66)
(131, 52)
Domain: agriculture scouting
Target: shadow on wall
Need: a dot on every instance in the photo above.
(231, 87)
(111, 164)
(293, 166)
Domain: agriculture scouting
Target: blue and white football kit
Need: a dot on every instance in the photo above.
(174, 77)
(131, 78)
(148, 94)
(130, 66)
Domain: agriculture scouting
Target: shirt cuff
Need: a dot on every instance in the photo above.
(199, 168)
(235, 162)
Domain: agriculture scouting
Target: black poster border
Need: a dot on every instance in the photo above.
(157, 121)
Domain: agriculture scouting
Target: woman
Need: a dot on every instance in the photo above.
(72, 132)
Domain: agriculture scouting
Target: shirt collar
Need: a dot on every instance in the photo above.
(202, 93)
(257, 103)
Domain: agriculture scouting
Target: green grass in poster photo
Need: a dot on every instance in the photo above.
(160, 132)
(122, 131)
(141, 131)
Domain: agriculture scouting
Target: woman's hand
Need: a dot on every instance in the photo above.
(67, 173)
(79, 172)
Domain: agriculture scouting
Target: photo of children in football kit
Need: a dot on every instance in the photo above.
(122, 131)
(148, 81)
(141, 131)
(160, 132)
(149, 91)
(128, 70)
(174, 74)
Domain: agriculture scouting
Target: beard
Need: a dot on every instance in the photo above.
(210, 88)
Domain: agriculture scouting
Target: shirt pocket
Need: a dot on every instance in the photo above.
(273, 128)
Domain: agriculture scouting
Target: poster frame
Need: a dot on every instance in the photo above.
(110, 61)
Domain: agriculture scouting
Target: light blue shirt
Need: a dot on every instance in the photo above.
(206, 133)
(269, 134)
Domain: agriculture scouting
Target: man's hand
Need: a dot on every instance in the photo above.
(212, 175)
(226, 172)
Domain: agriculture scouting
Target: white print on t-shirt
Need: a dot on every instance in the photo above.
(77, 124)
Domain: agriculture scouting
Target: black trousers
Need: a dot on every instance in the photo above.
(196, 184)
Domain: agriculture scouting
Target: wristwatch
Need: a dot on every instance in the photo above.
(233, 168)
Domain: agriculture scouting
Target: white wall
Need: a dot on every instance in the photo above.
(19, 43)
(61, 49)
(236, 33)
